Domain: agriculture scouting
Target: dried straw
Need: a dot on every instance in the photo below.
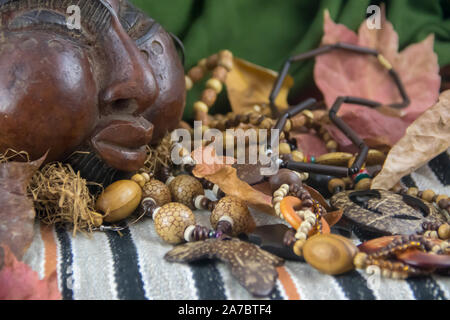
(61, 196)
(159, 156)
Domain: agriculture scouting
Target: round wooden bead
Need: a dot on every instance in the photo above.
(158, 191)
(171, 221)
(189, 83)
(330, 253)
(363, 184)
(220, 73)
(284, 176)
(209, 97)
(444, 203)
(444, 231)
(214, 84)
(428, 195)
(412, 191)
(200, 106)
(119, 200)
(336, 183)
(297, 156)
(285, 148)
(237, 210)
(196, 73)
(184, 189)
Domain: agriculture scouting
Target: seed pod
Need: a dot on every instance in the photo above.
(158, 191)
(237, 210)
(171, 220)
(184, 189)
(119, 200)
(330, 253)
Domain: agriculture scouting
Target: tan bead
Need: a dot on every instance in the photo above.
(335, 183)
(284, 148)
(330, 253)
(288, 126)
(196, 74)
(297, 156)
(444, 231)
(226, 59)
(332, 145)
(298, 247)
(171, 221)
(139, 179)
(209, 97)
(189, 83)
(363, 184)
(412, 191)
(220, 73)
(184, 189)
(212, 61)
(202, 64)
(119, 200)
(97, 219)
(158, 191)
(267, 123)
(360, 260)
(375, 157)
(441, 197)
(200, 106)
(237, 210)
(214, 84)
(428, 195)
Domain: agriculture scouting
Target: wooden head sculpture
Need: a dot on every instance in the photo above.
(113, 85)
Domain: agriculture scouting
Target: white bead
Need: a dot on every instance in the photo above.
(169, 180)
(285, 187)
(279, 193)
(300, 236)
(277, 199)
(228, 219)
(197, 201)
(188, 233)
(216, 189)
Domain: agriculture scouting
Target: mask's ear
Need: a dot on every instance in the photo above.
(180, 46)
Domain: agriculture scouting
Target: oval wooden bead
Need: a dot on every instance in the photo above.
(158, 191)
(119, 200)
(330, 253)
(184, 189)
(171, 221)
(237, 210)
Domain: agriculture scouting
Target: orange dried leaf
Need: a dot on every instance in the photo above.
(19, 282)
(249, 85)
(425, 138)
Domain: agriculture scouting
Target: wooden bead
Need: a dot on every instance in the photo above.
(139, 179)
(220, 73)
(214, 84)
(298, 247)
(363, 184)
(444, 203)
(171, 220)
(440, 197)
(288, 126)
(237, 210)
(332, 145)
(428, 195)
(189, 83)
(330, 253)
(212, 61)
(360, 260)
(284, 176)
(285, 148)
(196, 74)
(209, 97)
(335, 183)
(158, 191)
(297, 156)
(119, 200)
(201, 107)
(412, 191)
(184, 189)
(444, 231)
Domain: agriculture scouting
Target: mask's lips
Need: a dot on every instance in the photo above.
(122, 143)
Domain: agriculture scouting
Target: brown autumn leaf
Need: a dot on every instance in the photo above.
(249, 85)
(425, 138)
(16, 211)
(225, 176)
(19, 282)
(342, 73)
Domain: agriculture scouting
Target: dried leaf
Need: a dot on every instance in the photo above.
(16, 211)
(254, 268)
(225, 176)
(249, 85)
(19, 282)
(342, 73)
(425, 138)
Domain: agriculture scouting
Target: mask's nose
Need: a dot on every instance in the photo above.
(131, 86)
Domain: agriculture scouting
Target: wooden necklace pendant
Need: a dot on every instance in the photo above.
(379, 212)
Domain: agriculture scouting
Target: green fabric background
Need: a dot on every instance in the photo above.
(266, 32)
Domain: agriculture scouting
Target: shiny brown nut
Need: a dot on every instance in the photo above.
(184, 189)
(235, 209)
(119, 200)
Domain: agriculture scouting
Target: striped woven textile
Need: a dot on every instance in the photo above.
(131, 266)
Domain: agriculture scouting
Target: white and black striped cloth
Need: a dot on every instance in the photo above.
(107, 266)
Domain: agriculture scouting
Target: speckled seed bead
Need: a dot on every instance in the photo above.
(171, 220)
(237, 210)
(158, 191)
(184, 189)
